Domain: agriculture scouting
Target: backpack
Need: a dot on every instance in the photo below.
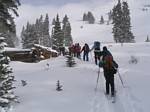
(108, 62)
(97, 45)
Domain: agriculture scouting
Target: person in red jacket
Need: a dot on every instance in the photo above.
(78, 49)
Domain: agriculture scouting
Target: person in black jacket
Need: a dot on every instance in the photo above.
(85, 50)
(109, 70)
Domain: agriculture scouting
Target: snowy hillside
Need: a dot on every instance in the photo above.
(139, 18)
(139, 21)
(78, 94)
(90, 32)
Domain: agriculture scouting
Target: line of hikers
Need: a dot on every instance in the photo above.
(75, 50)
(103, 59)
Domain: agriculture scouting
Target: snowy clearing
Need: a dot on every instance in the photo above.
(78, 94)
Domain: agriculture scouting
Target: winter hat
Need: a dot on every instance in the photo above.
(104, 48)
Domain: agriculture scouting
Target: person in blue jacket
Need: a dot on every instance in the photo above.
(97, 50)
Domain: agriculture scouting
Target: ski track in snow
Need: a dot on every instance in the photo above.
(130, 102)
(125, 100)
(103, 103)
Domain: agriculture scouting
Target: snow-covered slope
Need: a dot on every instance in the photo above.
(140, 19)
(89, 33)
(79, 95)
(139, 22)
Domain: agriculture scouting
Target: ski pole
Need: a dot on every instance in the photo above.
(91, 56)
(121, 79)
(97, 79)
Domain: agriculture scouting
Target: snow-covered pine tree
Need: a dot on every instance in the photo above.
(40, 31)
(70, 61)
(37, 33)
(46, 39)
(53, 22)
(147, 39)
(65, 19)
(24, 37)
(117, 22)
(7, 26)
(29, 36)
(90, 17)
(110, 15)
(102, 20)
(57, 35)
(68, 37)
(10, 38)
(85, 18)
(67, 32)
(121, 23)
(126, 27)
(58, 86)
(6, 79)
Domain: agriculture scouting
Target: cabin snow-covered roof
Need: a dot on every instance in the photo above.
(2, 38)
(9, 49)
(47, 48)
(3, 44)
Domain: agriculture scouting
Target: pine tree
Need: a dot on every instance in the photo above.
(70, 61)
(58, 86)
(38, 29)
(85, 18)
(57, 35)
(147, 39)
(110, 15)
(67, 32)
(29, 36)
(126, 27)
(6, 79)
(25, 36)
(46, 39)
(117, 22)
(65, 19)
(68, 38)
(37, 33)
(6, 19)
(41, 26)
(7, 26)
(121, 23)
(102, 20)
(91, 18)
(53, 22)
